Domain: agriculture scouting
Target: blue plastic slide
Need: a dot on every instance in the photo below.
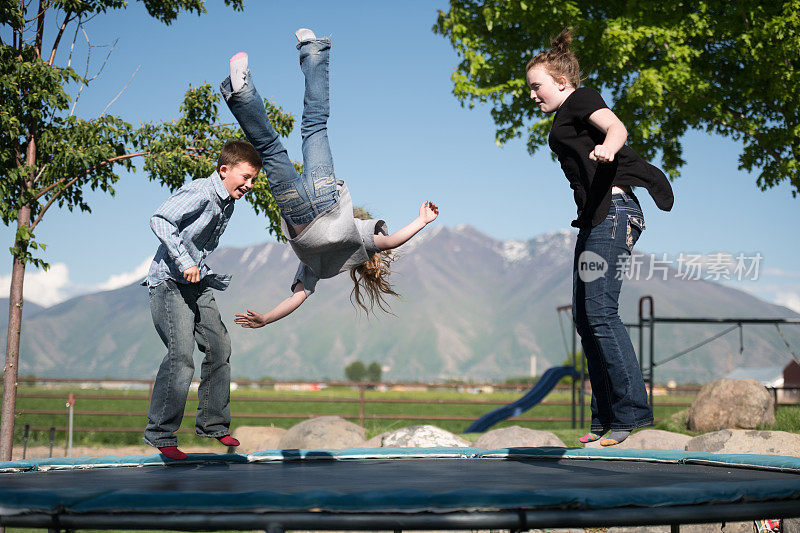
(542, 388)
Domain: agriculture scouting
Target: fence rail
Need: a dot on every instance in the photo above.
(359, 400)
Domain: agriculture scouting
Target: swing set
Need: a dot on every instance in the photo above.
(646, 327)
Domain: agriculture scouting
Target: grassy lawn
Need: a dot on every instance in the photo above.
(268, 402)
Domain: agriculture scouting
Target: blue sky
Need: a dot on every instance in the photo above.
(398, 136)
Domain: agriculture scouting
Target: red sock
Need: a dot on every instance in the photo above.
(172, 452)
(227, 440)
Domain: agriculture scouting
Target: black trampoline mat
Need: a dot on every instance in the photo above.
(358, 476)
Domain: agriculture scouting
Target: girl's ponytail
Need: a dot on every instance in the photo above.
(559, 60)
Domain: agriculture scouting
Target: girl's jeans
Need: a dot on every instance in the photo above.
(300, 198)
(619, 399)
(185, 314)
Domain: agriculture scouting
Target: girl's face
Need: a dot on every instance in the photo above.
(546, 91)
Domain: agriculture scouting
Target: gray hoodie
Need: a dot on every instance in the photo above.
(333, 242)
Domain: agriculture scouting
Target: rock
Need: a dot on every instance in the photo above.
(790, 525)
(744, 441)
(376, 441)
(650, 439)
(332, 432)
(516, 436)
(258, 438)
(679, 418)
(731, 403)
(422, 437)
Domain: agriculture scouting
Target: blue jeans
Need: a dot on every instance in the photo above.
(185, 314)
(300, 198)
(619, 398)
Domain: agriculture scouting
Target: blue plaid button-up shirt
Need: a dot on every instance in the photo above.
(189, 224)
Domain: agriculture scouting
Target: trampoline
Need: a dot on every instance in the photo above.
(399, 488)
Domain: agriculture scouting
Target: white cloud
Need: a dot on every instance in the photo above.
(42, 287)
(51, 287)
(126, 278)
(781, 273)
(790, 300)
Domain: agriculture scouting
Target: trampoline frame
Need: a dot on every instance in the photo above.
(520, 520)
(268, 519)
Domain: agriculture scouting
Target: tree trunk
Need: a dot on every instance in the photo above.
(12, 344)
(11, 370)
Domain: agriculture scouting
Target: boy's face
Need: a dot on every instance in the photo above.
(238, 179)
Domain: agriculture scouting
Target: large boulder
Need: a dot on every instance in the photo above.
(650, 439)
(743, 441)
(515, 436)
(258, 438)
(323, 432)
(731, 403)
(422, 437)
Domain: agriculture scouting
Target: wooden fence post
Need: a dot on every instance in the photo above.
(361, 404)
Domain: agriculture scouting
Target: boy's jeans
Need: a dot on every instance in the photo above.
(300, 198)
(619, 398)
(185, 314)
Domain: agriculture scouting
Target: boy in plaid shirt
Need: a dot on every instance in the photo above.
(189, 224)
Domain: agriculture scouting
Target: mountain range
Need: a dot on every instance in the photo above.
(472, 307)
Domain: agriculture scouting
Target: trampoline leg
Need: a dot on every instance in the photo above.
(674, 528)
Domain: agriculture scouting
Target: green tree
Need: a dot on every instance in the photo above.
(729, 68)
(49, 156)
(355, 371)
(374, 372)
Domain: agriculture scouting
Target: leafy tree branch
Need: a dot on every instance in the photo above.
(712, 65)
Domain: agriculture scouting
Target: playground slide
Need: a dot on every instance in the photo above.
(542, 388)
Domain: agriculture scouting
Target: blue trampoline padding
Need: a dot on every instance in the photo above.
(772, 462)
(79, 463)
(542, 388)
(116, 491)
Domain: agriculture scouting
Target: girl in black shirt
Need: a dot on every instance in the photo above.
(589, 141)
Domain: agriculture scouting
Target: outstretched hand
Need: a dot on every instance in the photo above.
(428, 212)
(251, 319)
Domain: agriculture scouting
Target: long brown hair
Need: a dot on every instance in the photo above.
(371, 283)
(371, 278)
(559, 60)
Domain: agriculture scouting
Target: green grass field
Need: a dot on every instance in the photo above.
(268, 402)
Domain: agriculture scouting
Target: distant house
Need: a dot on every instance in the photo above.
(791, 378)
(773, 377)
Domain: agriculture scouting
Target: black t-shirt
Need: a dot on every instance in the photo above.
(572, 138)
